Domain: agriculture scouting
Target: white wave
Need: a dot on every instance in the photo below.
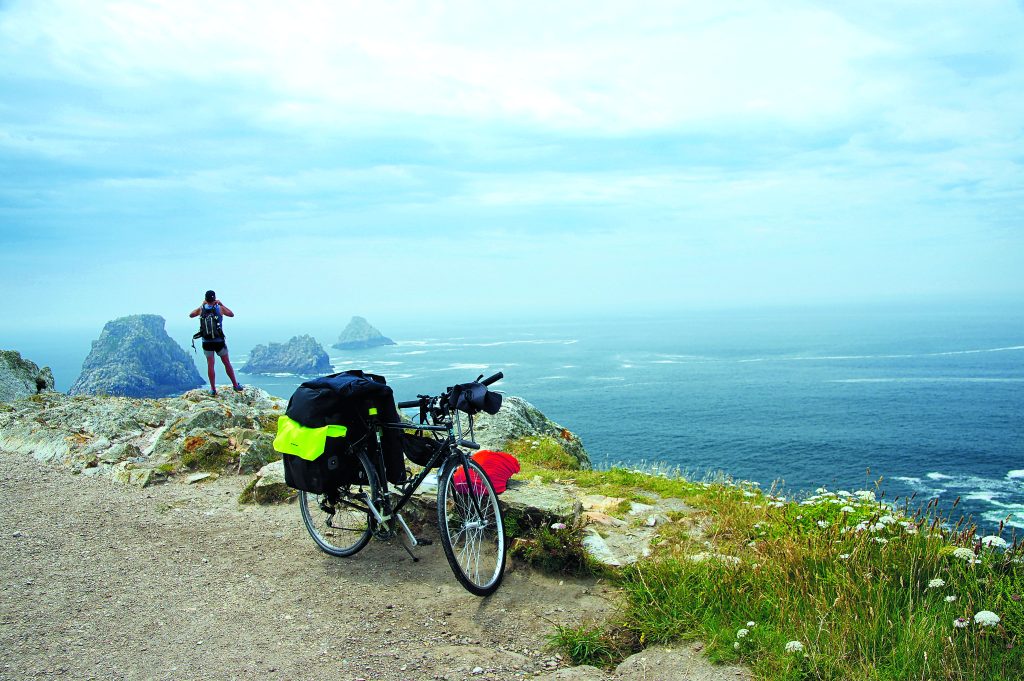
(812, 358)
(382, 363)
(606, 378)
(908, 480)
(550, 378)
(415, 352)
(1016, 517)
(983, 495)
(568, 366)
(938, 476)
(463, 367)
(1015, 474)
(626, 366)
(283, 374)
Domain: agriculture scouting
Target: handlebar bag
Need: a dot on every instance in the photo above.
(473, 398)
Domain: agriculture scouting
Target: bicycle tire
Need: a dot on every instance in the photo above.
(474, 543)
(349, 528)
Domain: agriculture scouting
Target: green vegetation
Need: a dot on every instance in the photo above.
(588, 644)
(207, 454)
(835, 586)
(557, 549)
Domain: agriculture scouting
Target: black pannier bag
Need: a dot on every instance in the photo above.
(323, 404)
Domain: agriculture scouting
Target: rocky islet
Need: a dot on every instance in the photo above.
(134, 357)
(20, 377)
(360, 335)
(301, 355)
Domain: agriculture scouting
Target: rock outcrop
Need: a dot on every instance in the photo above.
(518, 418)
(359, 334)
(134, 357)
(301, 355)
(138, 441)
(20, 378)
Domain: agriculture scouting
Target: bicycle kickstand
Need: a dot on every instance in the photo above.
(409, 535)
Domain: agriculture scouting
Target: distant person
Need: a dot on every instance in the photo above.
(211, 314)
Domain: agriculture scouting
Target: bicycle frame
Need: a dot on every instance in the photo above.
(447, 448)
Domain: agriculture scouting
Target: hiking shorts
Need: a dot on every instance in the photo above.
(216, 347)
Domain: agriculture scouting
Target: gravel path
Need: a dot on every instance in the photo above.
(181, 582)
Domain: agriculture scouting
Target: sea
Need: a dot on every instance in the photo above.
(914, 402)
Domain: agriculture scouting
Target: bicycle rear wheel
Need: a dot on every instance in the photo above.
(472, 529)
(341, 523)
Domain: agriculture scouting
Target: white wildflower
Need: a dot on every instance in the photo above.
(880, 540)
(992, 541)
(794, 647)
(799, 517)
(844, 493)
(751, 544)
(820, 490)
(878, 527)
(557, 526)
(751, 625)
(736, 645)
(742, 633)
(847, 509)
(844, 556)
(776, 504)
(887, 520)
(961, 622)
(963, 553)
(950, 599)
(936, 583)
(748, 494)
(910, 528)
(986, 618)
(823, 524)
(864, 495)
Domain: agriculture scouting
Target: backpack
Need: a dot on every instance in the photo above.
(210, 324)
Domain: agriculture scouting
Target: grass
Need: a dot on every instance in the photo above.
(868, 592)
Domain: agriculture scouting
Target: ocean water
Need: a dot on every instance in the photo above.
(920, 401)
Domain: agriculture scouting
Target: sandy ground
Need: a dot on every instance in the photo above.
(176, 581)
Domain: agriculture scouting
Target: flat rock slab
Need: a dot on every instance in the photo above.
(657, 664)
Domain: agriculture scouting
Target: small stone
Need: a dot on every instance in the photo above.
(17, 534)
(477, 671)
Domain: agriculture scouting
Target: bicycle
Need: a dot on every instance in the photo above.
(470, 519)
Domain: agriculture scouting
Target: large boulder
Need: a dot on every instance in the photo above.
(134, 357)
(301, 355)
(359, 334)
(21, 378)
(518, 418)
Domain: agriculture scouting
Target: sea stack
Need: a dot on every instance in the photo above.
(21, 378)
(359, 335)
(134, 357)
(301, 355)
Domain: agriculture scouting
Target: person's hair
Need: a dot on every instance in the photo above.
(211, 296)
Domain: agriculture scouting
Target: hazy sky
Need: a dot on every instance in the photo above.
(342, 158)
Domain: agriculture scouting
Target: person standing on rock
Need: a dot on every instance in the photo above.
(211, 313)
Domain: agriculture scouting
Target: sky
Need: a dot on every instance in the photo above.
(449, 159)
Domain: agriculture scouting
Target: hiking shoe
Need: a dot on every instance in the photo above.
(238, 387)
(213, 393)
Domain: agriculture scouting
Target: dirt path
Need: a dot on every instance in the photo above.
(174, 581)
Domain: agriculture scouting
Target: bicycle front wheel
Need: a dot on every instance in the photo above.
(471, 524)
(341, 523)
